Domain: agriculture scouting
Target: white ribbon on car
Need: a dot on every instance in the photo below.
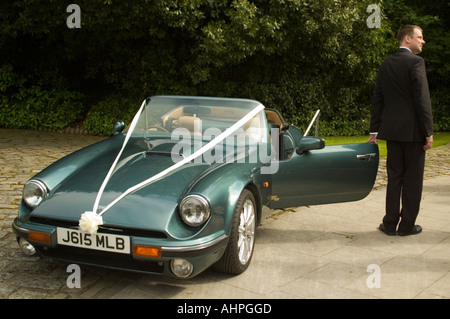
(90, 220)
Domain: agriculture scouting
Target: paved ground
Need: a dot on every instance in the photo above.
(328, 251)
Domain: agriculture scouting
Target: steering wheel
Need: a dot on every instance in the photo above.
(158, 128)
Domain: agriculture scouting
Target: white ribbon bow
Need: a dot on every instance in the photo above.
(89, 222)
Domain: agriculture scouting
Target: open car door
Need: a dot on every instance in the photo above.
(338, 173)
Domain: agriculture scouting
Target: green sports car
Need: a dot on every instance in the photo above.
(184, 186)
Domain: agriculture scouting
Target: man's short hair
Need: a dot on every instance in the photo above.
(406, 30)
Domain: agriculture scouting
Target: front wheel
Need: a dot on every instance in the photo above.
(239, 251)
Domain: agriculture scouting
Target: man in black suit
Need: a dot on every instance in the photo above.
(402, 115)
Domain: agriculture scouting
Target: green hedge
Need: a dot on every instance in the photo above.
(101, 117)
(296, 56)
(31, 106)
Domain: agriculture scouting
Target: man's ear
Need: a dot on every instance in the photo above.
(407, 39)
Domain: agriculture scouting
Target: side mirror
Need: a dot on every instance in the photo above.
(119, 126)
(308, 143)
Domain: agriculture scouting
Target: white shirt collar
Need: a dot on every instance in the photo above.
(405, 48)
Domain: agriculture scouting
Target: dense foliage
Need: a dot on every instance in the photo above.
(294, 55)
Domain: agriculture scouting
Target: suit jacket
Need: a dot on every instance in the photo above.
(401, 106)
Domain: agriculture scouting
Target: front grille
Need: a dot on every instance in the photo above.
(108, 229)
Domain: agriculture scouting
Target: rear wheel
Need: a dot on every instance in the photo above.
(239, 251)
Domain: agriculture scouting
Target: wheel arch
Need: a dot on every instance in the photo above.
(253, 188)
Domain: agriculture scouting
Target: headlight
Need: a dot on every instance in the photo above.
(34, 192)
(194, 210)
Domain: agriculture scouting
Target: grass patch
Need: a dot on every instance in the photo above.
(440, 138)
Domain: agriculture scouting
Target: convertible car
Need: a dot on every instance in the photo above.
(184, 186)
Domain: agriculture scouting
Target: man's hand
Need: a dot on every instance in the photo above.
(373, 138)
(429, 143)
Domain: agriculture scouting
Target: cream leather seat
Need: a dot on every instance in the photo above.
(192, 123)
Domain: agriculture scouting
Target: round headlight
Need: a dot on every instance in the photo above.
(194, 210)
(34, 192)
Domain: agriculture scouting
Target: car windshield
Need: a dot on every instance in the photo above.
(202, 118)
(162, 119)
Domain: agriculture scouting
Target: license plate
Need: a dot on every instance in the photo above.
(105, 242)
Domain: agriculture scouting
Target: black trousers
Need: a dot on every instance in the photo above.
(405, 168)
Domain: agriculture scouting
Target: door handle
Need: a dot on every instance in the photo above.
(366, 156)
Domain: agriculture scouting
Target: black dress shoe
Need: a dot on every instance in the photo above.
(386, 231)
(415, 230)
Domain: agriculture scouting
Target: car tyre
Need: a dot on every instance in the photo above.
(239, 251)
